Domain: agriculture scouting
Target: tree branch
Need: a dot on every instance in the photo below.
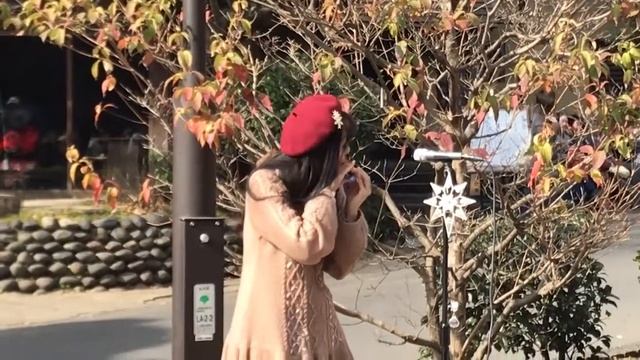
(412, 339)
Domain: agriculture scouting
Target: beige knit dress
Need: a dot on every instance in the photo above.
(284, 310)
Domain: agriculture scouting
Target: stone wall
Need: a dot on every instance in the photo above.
(51, 254)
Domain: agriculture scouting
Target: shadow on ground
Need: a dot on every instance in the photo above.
(95, 340)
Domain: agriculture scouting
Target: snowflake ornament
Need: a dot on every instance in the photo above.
(337, 119)
(448, 202)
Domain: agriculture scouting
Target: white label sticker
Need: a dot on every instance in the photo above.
(204, 312)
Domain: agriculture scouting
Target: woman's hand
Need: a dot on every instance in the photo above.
(357, 191)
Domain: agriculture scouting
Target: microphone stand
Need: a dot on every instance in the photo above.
(447, 202)
(445, 331)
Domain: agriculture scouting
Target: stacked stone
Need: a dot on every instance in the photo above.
(37, 257)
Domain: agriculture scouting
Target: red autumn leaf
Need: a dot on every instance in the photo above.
(145, 194)
(345, 104)
(212, 139)
(219, 97)
(108, 84)
(592, 101)
(266, 102)
(412, 102)
(240, 72)
(237, 119)
(480, 152)
(480, 115)
(535, 170)
(432, 136)
(315, 79)
(446, 142)
(97, 192)
(421, 109)
(515, 101)
(443, 140)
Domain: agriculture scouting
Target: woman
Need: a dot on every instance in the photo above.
(301, 218)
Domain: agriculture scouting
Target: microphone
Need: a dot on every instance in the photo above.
(427, 155)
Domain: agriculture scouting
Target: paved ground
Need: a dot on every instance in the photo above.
(126, 325)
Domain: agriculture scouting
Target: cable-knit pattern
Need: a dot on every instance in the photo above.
(296, 309)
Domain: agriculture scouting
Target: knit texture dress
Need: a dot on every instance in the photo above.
(284, 309)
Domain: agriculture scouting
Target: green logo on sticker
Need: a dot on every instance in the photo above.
(204, 299)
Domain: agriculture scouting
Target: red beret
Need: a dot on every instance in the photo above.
(310, 123)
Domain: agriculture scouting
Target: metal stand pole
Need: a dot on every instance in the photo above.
(444, 310)
(444, 281)
(198, 253)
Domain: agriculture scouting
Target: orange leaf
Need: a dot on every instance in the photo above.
(99, 109)
(122, 43)
(266, 102)
(145, 194)
(597, 159)
(515, 101)
(196, 102)
(535, 170)
(108, 84)
(112, 196)
(187, 94)
(592, 101)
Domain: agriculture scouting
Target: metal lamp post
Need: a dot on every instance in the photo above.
(198, 249)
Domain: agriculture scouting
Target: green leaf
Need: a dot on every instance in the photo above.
(95, 69)
(218, 62)
(93, 16)
(627, 61)
(401, 49)
(635, 53)
(398, 79)
(108, 66)
(410, 132)
(185, 59)
(57, 36)
(246, 26)
(546, 151)
(628, 76)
